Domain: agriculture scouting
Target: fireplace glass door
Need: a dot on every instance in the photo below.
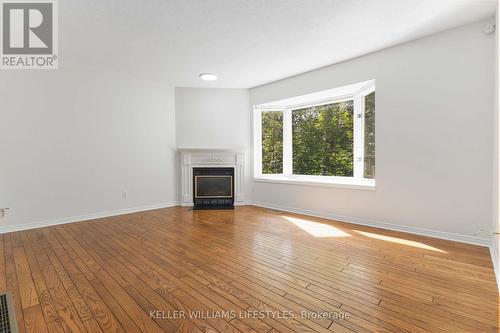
(213, 188)
(209, 186)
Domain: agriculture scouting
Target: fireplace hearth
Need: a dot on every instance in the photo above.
(213, 188)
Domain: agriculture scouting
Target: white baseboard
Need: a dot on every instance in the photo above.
(495, 258)
(382, 225)
(389, 226)
(494, 251)
(85, 217)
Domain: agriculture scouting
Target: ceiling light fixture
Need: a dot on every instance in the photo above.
(208, 77)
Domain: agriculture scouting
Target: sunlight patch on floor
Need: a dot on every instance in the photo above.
(399, 241)
(317, 229)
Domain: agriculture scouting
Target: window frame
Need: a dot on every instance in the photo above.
(357, 181)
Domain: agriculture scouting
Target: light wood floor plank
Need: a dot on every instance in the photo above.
(255, 265)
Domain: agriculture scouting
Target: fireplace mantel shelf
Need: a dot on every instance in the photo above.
(210, 150)
(211, 157)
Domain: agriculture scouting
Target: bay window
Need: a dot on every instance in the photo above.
(326, 137)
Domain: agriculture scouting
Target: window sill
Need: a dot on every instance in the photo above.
(340, 182)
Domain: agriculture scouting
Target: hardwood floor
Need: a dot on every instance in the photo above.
(251, 270)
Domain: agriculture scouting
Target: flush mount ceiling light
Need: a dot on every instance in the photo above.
(208, 77)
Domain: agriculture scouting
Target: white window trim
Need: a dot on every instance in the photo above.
(287, 177)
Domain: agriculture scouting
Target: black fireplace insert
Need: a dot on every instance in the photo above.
(213, 188)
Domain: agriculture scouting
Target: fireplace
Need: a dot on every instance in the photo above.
(213, 188)
(230, 160)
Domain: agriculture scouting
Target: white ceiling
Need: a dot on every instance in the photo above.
(246, 42)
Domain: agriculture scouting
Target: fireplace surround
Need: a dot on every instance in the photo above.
(195, 160)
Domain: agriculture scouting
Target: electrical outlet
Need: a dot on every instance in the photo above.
(3, 211)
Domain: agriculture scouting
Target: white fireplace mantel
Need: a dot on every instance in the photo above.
(226, 158)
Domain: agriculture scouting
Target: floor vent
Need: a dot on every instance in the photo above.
(8, 322)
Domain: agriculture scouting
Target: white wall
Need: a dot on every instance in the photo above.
(215, 118)
(71, 140)
(434, 138)
(212, 118)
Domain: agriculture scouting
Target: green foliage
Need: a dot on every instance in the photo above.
(272, 142)
(323, 140)
(369, 171)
